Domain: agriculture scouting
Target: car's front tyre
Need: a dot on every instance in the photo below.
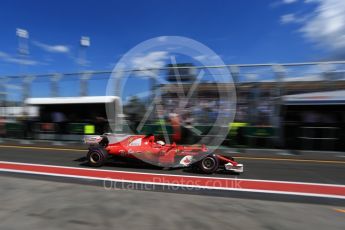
(209, 164)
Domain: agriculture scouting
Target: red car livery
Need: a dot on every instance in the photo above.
(149, 150)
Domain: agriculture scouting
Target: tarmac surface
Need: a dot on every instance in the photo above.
(39, 204)
(330, 170)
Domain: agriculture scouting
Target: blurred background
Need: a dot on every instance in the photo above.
(286, 59)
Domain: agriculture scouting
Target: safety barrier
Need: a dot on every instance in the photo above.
(63, 131)
(47, 130)
(240, 134)
(260, 136)
(319, 138)
(14, 130)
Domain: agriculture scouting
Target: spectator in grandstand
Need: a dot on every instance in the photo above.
(59, 120)
(100, 125)
(2, 127)
(311, 117)
(176, 126)
(27, 125)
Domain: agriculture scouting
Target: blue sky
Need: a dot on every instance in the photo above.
(247, 31)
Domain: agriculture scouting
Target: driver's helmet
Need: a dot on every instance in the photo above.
(161, 143)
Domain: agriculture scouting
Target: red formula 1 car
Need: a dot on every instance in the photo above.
(149, 150)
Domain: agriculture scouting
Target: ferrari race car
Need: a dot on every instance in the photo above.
(156, 152)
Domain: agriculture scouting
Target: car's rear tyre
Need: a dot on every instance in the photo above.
(209, 164)
(96, 157)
